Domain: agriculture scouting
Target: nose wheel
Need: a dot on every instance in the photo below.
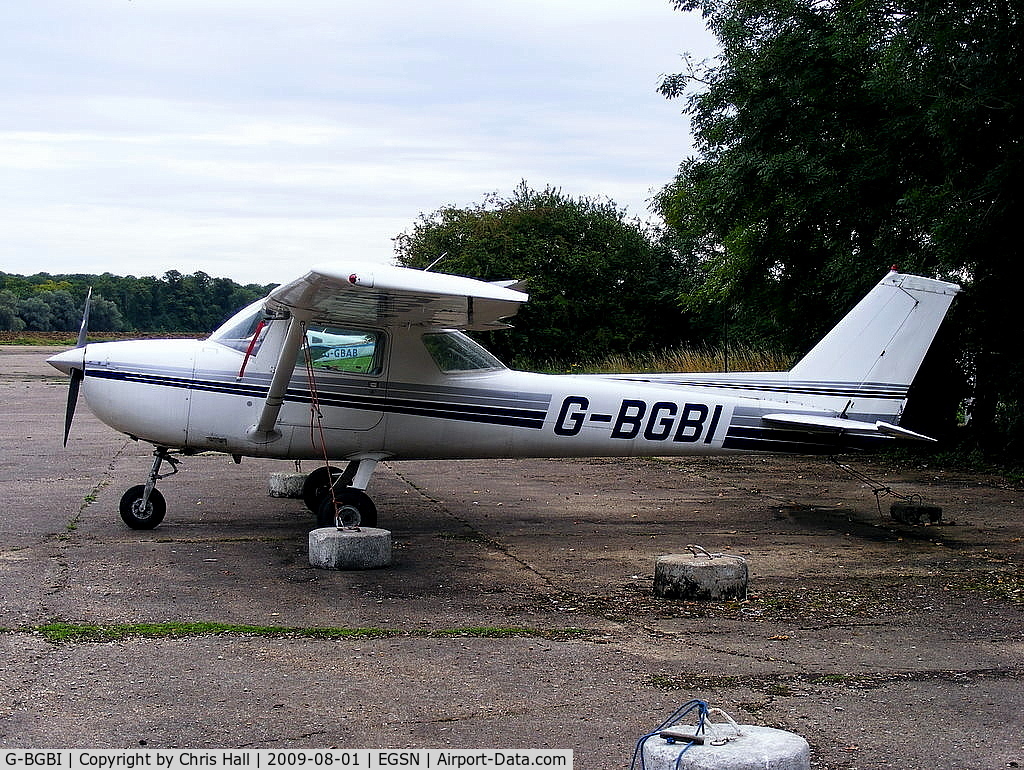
(138, 512)
(142, 506)
(319, 482)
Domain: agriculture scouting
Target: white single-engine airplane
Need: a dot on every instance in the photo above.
(367, 362)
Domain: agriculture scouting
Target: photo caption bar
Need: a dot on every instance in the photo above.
(287, 759)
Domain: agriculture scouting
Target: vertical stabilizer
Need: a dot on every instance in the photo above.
(883, 340)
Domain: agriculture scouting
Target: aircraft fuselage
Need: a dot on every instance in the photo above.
(188, 394)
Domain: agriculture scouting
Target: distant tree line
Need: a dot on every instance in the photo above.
(174, 302)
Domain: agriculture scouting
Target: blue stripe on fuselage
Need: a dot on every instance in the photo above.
(449, 410)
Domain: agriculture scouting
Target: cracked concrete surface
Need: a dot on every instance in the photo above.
(883, 644)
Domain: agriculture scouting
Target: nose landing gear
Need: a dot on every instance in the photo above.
(142, 506)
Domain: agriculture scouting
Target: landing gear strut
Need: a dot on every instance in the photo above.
(354, 509)
(337, 498)
(142, 506)
(319, 482)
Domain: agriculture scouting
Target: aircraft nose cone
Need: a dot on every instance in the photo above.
(68, 360)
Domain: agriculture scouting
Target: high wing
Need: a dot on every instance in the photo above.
(384, 295)
(371, 294)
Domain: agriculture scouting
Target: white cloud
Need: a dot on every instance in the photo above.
(249, 138)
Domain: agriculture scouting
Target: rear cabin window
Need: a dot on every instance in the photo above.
(335, 349)
(455, 352)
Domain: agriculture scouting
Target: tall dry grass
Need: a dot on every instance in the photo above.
(741, 358)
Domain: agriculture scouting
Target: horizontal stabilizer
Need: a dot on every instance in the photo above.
(842, 425)
(897, 432)
(516, 284)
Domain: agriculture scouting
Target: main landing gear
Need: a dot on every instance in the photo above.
(333, 497)
(142, 506)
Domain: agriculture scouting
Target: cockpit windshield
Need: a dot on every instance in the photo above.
(237, 332)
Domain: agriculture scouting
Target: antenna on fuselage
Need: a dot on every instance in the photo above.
(430, 267)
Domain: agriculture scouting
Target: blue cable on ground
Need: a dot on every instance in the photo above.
(702, 710)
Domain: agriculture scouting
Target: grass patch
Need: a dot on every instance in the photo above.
(1008, 586)
(831, 679)
(62, 632)
(666, 682)
(741, 358)
(957, 454)
(45, 339)
(787, 685)
(473, 537)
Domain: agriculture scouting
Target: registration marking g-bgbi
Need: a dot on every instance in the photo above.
(661, 421)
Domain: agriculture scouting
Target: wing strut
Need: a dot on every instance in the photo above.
(264, 431)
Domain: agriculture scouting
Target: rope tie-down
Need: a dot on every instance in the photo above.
(724, 744)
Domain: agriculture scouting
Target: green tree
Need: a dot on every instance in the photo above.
(65, 313)
(104, 316)
(174, 303)
(35, 313)
(598, 283)
(9, 319)
(838, 138)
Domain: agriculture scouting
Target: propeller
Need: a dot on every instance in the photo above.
(77, 373)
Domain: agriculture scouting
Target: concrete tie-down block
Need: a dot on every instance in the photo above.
(286, 485)
(700, 577)
(913, 513)
(747, 747)
(345, 549)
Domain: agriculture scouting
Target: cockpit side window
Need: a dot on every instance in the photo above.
(334, 349)
(455, 352)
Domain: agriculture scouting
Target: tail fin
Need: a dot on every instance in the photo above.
(876, 350)
(854, 381)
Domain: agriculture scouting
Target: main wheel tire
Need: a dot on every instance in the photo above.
(355, 509)
(134, 515)
(317, 484)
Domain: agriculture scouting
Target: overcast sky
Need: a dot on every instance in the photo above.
(253, 138)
